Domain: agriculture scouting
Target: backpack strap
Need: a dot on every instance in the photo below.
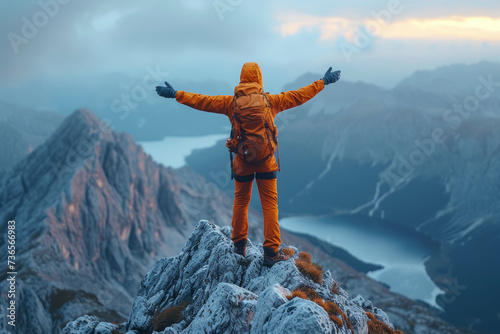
(231, 160)
(274, 137)
(232, 137)
(278, 149)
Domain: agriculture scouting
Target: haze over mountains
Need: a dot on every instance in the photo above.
(21, 130)
(128, 104)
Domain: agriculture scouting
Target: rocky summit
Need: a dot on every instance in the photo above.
(208, 288)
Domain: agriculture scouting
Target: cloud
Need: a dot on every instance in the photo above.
(328, 27)
(188, 38)
(447, 28)
(108, 20)
(444, 28)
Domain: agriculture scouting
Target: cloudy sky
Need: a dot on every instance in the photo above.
(374, 41)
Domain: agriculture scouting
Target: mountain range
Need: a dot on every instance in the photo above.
(93, 212)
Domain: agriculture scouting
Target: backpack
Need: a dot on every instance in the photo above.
(253, 133)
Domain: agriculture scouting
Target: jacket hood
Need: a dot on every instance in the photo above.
(251, 73)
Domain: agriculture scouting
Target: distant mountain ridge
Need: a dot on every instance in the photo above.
(454, 80)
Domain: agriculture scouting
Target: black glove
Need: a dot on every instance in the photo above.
(331, 77)
(167, 92)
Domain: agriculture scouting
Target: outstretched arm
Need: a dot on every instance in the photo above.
(217, 104)
(297, 97)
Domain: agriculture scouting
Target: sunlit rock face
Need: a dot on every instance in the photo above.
(92, 213)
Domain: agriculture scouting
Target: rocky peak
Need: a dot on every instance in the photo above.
(92, 213)
(207, 288)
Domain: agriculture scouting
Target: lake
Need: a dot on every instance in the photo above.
(400, 250)
(172, 151)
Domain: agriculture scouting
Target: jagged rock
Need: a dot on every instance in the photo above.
(83, 325)
(93, 325)
(90, 325)
(300, 316)
(270, 299)
(105, 328)
(368, 306)
(227, 294)
(229, 309)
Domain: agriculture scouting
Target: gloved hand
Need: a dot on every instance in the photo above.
(331, 77)
(167, 92)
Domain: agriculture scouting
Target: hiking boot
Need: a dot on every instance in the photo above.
(240, 247)
(271, 257)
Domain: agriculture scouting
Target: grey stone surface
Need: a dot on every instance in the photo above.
(270, 299)
(300, 316)
(229, 309)
(227, 295)
(105, 328)
(83, 325)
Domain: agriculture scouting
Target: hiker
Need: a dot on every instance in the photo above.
(253, 140)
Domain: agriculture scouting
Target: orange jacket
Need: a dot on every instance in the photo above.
(251, 82)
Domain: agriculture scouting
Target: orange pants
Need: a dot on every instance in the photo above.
(268, 193)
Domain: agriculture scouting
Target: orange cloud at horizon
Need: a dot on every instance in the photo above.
(328, 26)
(446, 28)
(461, 28)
